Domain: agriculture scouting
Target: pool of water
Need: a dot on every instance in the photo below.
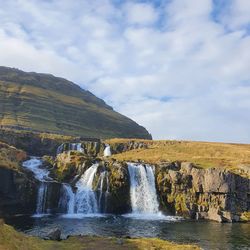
(209, 235)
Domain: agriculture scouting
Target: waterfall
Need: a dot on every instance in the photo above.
(103, 184)
(107, 151)
(41, 174)
(41, 198)
(142, 189)
(85, 199)
(67, 199)
(72, 146)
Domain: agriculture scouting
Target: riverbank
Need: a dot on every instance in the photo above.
(13, 240)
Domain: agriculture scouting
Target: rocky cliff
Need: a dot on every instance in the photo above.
(192, 192)
(45, 103)
(18, 188)
(183, 188)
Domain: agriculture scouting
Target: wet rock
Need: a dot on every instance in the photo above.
(54, 234)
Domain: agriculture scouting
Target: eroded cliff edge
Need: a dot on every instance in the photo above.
(183, 188)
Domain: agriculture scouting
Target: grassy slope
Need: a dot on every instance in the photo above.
(203, 154)
(13, 240)
(46, 103)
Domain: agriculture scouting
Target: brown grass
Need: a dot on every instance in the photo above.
(203, 154)
(10, 157)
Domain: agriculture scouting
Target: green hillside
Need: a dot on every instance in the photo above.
(45, 103)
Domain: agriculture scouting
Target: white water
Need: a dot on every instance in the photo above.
(103, 184)
(107, 151)
(67, 199)
(41, 199)
(72, 146)
(41, 174)
(34, 165)
(143, 194)
(142, 189)
(86, 202)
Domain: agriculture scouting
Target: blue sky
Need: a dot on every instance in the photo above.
(180, 68)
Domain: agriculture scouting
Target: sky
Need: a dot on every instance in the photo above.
(180, 68)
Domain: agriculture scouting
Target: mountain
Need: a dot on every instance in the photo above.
(45, 103)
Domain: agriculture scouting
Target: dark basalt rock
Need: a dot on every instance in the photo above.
(18, 192)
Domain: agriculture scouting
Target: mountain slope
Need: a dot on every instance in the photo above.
(44, 103)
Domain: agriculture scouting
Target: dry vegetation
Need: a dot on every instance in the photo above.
(203, 154)
(10, 157)
(13, 240)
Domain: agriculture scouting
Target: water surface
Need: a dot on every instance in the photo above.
(209, 235)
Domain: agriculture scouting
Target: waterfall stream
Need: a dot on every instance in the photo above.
(103, 184)
(67, 199)
(72, 146)
(42, 175)
(86, 201)
(142, 189)
(107, 151)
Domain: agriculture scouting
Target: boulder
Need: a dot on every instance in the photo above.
(54, 234)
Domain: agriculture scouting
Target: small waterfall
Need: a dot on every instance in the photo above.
(41, 174)
(103, 184)
(86, 201)
(67, 199)
(142, 189)
(41, 198)
(107, 151)
(70, 146)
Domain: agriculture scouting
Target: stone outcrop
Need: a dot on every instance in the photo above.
(70, 166)
(18, 188)
(119, 147)
(117, 196)
(34, 143)
(213, 193)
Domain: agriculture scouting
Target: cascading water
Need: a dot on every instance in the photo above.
(67, 199)
(41, 198)
(107, 151)
(142, 189)
(41, 174)
(103, 184)
(72, 146)
(85, 199)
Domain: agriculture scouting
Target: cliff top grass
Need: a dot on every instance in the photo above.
(235, 157)
(13, 240)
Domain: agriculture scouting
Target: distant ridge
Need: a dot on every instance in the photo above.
(45, 103)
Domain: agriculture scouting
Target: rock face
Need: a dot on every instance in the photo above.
(45, 103)
(18, 188)
(118, 147)
(117, 188)
(212, 194)
(70, 166)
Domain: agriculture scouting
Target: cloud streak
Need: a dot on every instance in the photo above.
(180, 68)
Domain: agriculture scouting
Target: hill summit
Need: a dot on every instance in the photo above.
(45, 103)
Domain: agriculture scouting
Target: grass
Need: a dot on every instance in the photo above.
(46, 103)
(13, 240)
(10, 157)
(204, 154)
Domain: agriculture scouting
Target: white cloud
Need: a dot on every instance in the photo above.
(172, 68)
(140, 13)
